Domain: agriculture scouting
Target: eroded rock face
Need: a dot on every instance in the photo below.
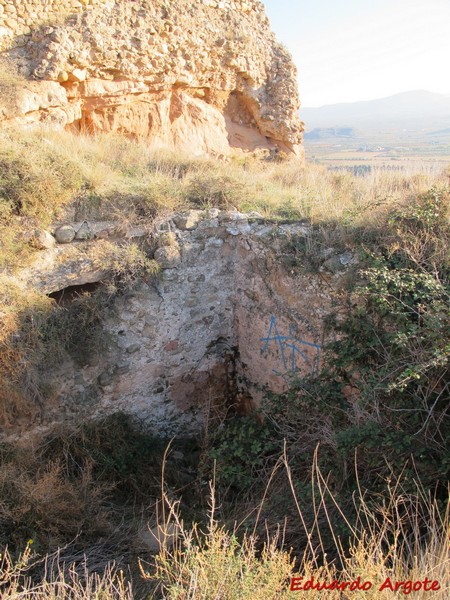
(200, 76)
(222, 324)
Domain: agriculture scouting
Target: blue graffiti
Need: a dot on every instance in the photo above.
(291, 344)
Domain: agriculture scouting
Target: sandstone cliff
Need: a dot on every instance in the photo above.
(202, 76)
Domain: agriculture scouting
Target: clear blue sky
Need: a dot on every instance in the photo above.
(348, 50)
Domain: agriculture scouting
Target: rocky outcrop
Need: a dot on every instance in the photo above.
(201, 76)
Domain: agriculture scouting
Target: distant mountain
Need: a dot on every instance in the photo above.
(320, 133)
(440, 132)
(415, 111)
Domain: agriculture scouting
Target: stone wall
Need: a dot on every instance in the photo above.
(19, 17)
(204, 77)
(240, 5)
(225, 322)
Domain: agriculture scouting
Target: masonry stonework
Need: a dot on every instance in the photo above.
(223, 323)
(201, 76)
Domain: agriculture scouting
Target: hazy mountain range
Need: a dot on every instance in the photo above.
(416, 111)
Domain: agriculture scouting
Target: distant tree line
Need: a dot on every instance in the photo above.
(362, 170)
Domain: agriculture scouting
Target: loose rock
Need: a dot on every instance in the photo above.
(168, 257)
(188, 220)
(65, 234)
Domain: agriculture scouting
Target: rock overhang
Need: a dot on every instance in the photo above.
(205, 77)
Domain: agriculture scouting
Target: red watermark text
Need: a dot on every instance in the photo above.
(406, 587)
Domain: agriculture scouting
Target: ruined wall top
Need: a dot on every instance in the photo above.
(19, 17)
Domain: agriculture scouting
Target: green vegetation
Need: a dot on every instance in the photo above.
(381, 399)
(383, 389)
(348, 469)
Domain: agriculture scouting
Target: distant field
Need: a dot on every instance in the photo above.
(401, 130)
(380, 152)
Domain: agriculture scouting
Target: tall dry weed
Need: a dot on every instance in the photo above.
(403, 540)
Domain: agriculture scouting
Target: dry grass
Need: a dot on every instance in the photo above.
(109, 177)
(10, 84)
(36, 333)
(115, 177)
(125, 263)
(19, 342)
(60, 582)
(36, 182)
(48, 497)
(405, 540)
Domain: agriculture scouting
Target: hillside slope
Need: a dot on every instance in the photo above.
(414, 110)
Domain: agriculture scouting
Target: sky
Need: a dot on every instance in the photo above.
(350, 50)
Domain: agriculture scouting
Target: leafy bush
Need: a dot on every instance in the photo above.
(243, 450)
(384, 390)
(382, 397)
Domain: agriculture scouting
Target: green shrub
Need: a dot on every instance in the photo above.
(381, 398)
(243, 450)
(383, 391)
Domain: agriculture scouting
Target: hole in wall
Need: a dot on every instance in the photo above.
(67, 295)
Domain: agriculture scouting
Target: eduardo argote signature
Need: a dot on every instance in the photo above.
(406, 587)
